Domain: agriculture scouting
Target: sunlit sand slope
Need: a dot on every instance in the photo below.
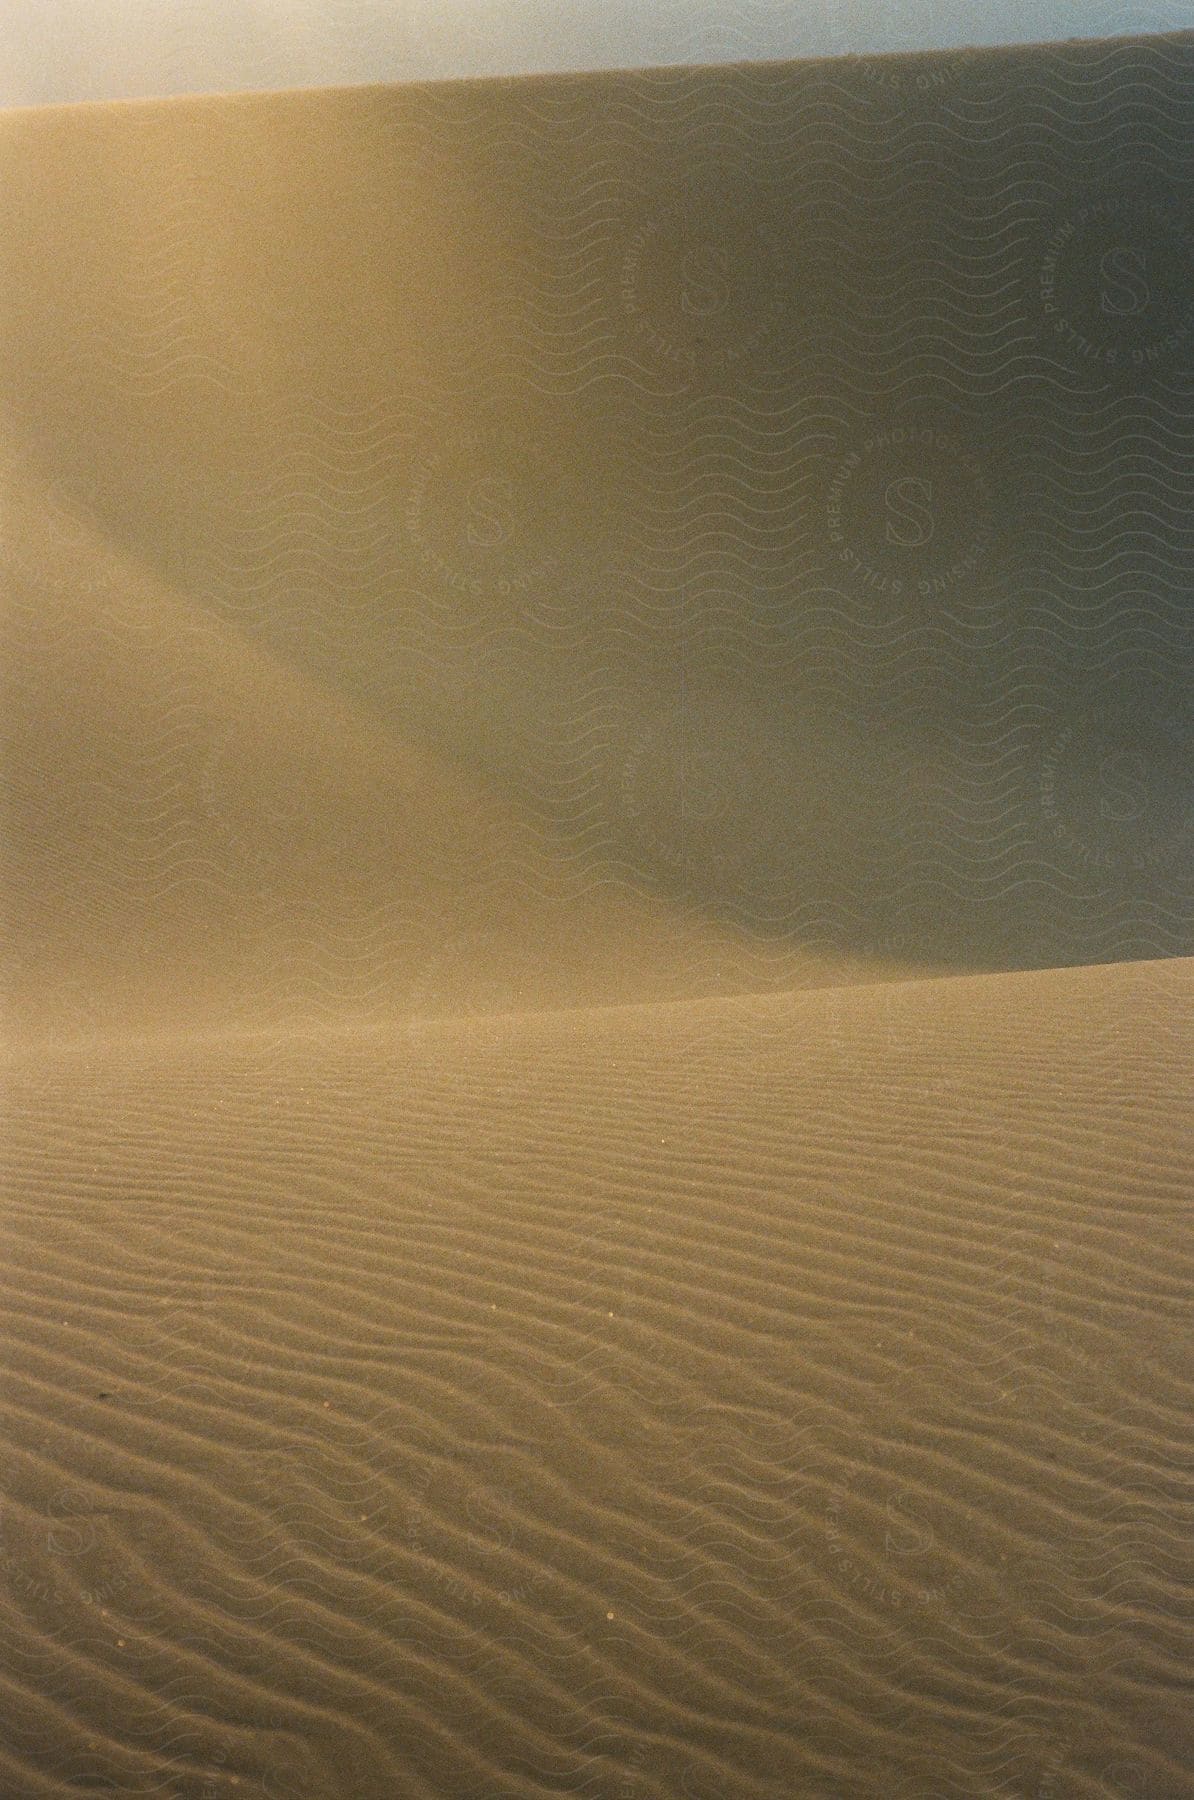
(750, 1398)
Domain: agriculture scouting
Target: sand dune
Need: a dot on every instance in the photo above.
(594, 782)
(758, 1397)
(192, 821)
(771, 480)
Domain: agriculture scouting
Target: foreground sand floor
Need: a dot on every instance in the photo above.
(736, 1398)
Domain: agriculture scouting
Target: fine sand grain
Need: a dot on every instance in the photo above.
(729, 1398)
(597, 935)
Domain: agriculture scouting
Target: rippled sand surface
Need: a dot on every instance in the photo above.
(598, 936)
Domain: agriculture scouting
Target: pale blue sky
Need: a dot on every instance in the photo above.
(54, 50)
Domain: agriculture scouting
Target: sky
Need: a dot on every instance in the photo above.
(69, 50)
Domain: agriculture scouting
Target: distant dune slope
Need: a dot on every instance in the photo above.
(767, 484)
(758, 1398)
(195, 828)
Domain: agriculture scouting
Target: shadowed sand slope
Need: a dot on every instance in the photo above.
(771, 479)
(195, 828)
(764, 1397)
